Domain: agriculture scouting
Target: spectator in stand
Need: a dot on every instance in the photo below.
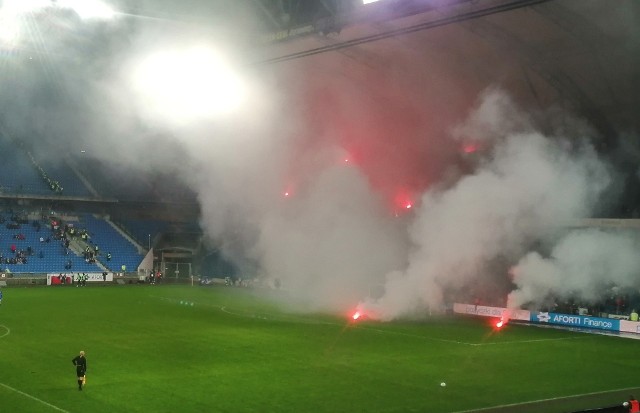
(108, 256)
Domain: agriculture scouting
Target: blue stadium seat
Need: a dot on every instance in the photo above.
(108, 239)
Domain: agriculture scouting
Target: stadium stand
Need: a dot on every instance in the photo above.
(144, 230)
(18, 175)
(109, 240)
(70, 182)
(123, 183)
(130, 183)
(23, 174)
(46, 256)
(41, 189)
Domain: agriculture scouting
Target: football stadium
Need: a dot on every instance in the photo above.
(285, 206)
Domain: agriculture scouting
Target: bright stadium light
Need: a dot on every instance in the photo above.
(13, 14)
(368, 1)
(11, 17)
(9, 29)
(187, 84)
(16, 7)
(88, 9)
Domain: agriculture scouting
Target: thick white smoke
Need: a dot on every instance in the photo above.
(334, 238)
(305, 218)
(333, 244)
(584, 264)
(527, 189)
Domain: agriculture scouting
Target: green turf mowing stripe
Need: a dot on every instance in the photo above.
(33, 398)
(537, 404)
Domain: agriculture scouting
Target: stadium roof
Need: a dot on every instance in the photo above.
(579, 53)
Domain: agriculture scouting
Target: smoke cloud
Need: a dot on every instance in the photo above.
(341, 175)
(583, 264)
(525, 190)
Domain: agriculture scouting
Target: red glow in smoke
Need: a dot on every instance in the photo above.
(470, 148)
(356, 315)
(403, 200)
(499, 324)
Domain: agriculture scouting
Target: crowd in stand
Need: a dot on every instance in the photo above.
(616, 303)
(60, 232)
(51, 183)
(17, 256)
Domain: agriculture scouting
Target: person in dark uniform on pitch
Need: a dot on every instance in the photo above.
(81, 368)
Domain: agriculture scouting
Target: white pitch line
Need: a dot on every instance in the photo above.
(6, 328)
(551, 399)
(528, 341)
(398, 333)
(34, 398)
(442, 340)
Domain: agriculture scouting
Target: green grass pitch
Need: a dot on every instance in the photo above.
(235, 351)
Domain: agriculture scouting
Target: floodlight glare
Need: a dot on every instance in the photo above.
(14, 12)
(187, 84)
(16, 7)
(89, 9)
(86, 9)
(9, 29)
(11, 16)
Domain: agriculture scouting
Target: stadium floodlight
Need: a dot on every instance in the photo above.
(9, 29)
(89, 9)
(17, 7)
(368, 1)
(11, 14)
(187, 84)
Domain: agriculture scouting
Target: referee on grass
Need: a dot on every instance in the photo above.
(81, 368)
